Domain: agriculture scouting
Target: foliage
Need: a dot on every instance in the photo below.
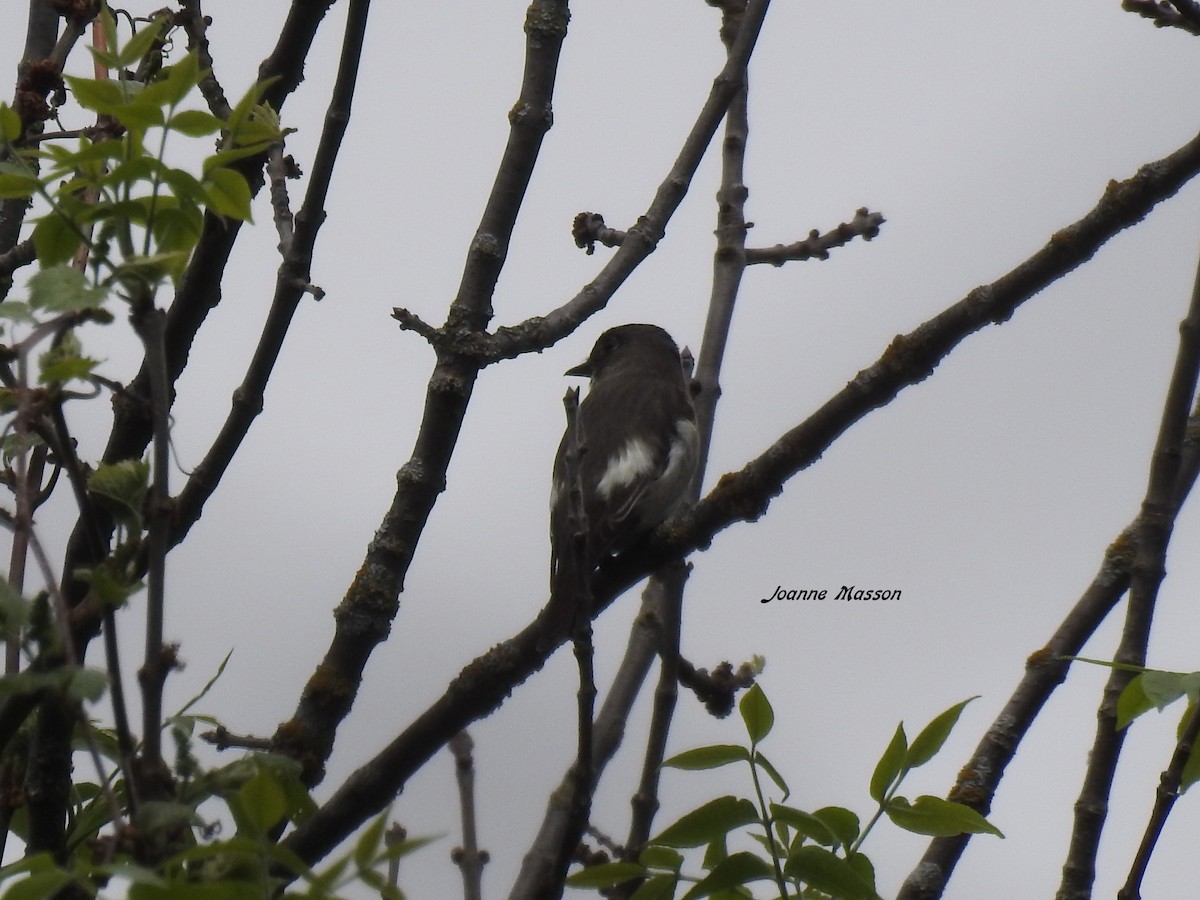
(814, 854)
(115, 207)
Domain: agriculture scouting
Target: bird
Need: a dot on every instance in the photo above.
(636, 432)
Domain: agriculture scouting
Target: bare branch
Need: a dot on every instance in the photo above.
(740, 496)
(195, 24)
(865, 225)
(469, 858)
(1152, 537)
(1182, 14)
(292, 282)
(641, 238)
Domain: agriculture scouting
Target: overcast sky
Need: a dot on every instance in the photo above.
(987, 494)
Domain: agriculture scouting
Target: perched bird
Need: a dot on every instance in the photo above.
(636, 430)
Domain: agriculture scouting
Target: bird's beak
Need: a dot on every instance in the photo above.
(583, 370)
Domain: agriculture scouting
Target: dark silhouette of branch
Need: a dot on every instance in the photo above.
(291, 284)
(607, 733)
(1045, 670)
(865, 225)
(1182, 14)
(364, 616)
(717, 690)
(589, 229)
(743, 495)
(641, 238)
(195, 25)
(1164, 801)
(670, 583)
(1152, 536)
(198, 292)
(19, 256)
(469, 858)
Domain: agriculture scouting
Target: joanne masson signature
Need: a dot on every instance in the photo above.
(848, 592)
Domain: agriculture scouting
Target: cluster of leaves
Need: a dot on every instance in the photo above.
(806, 854)
(110, 188)
(260, 793)
(1157, 689)
(110, 197)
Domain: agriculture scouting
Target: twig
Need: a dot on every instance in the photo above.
(222, 738)
(589, 229)
(718, 689)
(469, 858)
(607, 733)
(865, 225)
(1153, 534)
(740, 496)
(642, 238)
(292, 282)
(148, 322)
(365, 614)
(670, 583)
(1182, 14)
(1164, 801)
(195, 25)
(278, 171)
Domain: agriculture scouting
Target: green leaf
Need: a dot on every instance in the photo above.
(890, 765)
(16, 311)
(655, 857)
(245, 106)
(62, 288)
(262, 802)
(16, 185)
(708, 757)
(733, 871)
(1133, 702)
(805, 823)
(606, 875)
(842, 822)
(87, 684)
(55, 239)
(110, 589)
(926, 744)
(1164, 688)
(765, 764)
(369, 841)
(756, 713)
(659, 887)
(55, 368)
(228, 194)
(820, 869)
(102, 95)
(39, 885)
(1154, 689)
(14, 611)
(937, 817)
(194, 123)
(226, 157)
(10, 124)
(138, 45)
(161, 816)
(711, 821)
(1191, 769)
(123, 487)
(177, 80)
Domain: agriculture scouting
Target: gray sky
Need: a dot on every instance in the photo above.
(987, 494)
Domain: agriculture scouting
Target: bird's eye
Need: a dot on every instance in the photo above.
(609, 344)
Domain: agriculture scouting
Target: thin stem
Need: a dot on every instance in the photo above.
(768, 824)
(149, 322)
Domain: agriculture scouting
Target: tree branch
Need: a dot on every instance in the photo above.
(1153, 534)
(740, 496)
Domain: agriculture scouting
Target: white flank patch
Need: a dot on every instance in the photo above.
(634, 461)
